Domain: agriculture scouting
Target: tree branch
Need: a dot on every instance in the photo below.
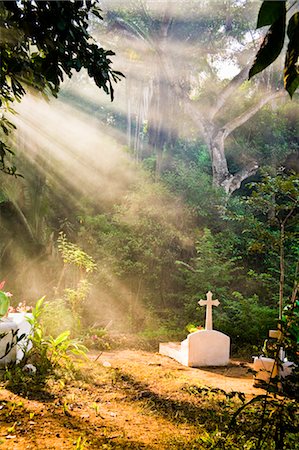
(233, 183)
(229, 89)
(240, 120)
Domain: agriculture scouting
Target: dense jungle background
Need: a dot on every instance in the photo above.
(127, 213)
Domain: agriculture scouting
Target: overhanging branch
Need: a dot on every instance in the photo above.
(229, 89)
(240, 120)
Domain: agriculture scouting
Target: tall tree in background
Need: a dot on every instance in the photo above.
(156, 104)
(188, 53)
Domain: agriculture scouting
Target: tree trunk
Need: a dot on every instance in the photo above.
(161, 129)
(281, 261)
(215, 140)
(221, 174)
(219, 164)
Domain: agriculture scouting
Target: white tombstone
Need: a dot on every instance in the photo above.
(24, 329)
(206, 347)
(8, 341)
(13, 328)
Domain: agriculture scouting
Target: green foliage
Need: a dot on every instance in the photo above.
(49, 353)
(267, 226)
(216, 267)
(72, 254)
(213, 268)
(276, 412)
(75, 298)
(269, 137)
(246, 320)
(289, 341)
(96, 338)
(291, 76)
(270, 12)
(81, 443)
(191, 328)
(57, 317)
(4, 304)
(276, 197)
(290, 329)
(136, 247)
(275, 202)
(273, 43)
(66, 312)
(194, 184)
(274, 13)
(270, 422)
(137, 242)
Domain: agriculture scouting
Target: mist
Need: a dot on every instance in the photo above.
(116, 177)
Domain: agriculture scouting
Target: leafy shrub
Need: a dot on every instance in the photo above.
(245, 320)
(56, 317)
(49, 353)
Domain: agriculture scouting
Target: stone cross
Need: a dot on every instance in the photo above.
(209, 303)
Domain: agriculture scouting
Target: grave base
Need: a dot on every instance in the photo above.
(200, 349)
(266, 369)
(174, 350)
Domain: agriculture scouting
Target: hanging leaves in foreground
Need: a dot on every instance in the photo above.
(269, 12)
(272, 44)
(291, 72)
(274, 13)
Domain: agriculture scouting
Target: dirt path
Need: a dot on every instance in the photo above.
(122, 400)
(235, 377)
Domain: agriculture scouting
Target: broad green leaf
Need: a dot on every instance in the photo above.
(293, 25)
(291, 73)
(38, 333)
(4, 304)
(37, 310)
(271, 46)
(62, 337)
(270, 12)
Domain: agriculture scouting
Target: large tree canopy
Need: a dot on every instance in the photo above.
(211, 106)
(41, 41)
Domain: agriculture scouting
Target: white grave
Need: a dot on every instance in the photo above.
(206, 347)
(11, 328)
(267, 368)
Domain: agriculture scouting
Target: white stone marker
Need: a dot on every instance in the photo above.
(15, 323)
(206, 347)
(8, 337)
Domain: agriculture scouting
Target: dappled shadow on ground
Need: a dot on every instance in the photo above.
(232, 370)
(234, 377)
(31, 387)
(56, 426)
(175, 410)
(138, 401)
